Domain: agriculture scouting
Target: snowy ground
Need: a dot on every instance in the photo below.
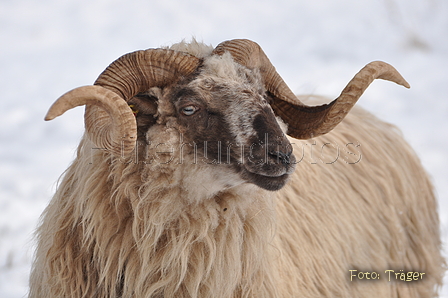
(49, 47)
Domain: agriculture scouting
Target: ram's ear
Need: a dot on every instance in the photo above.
(144, 106)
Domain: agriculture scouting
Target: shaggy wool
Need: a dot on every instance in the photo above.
(358, 200)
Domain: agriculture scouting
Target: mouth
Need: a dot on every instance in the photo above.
(271, 183)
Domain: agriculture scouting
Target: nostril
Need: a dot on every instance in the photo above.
(280, 156)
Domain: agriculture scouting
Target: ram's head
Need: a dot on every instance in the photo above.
(229, 107)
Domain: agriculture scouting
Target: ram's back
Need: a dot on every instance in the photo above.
(359, 200)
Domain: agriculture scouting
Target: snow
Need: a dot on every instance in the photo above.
(49, 47)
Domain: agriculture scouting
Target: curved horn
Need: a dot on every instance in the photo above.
(109, 122)
(304, 121)
(119, 135)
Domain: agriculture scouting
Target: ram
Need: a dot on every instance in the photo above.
(186, 185)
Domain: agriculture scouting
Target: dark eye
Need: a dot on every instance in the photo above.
(189, 110)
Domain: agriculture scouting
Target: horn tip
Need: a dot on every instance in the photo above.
(51, 115)
(402, 82)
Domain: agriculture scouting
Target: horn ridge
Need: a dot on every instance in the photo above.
(140, 70)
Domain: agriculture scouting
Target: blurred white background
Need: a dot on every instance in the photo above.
(49, 47)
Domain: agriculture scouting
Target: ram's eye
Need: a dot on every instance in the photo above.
(189, 110)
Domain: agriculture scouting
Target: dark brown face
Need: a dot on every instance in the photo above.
(230, 124)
